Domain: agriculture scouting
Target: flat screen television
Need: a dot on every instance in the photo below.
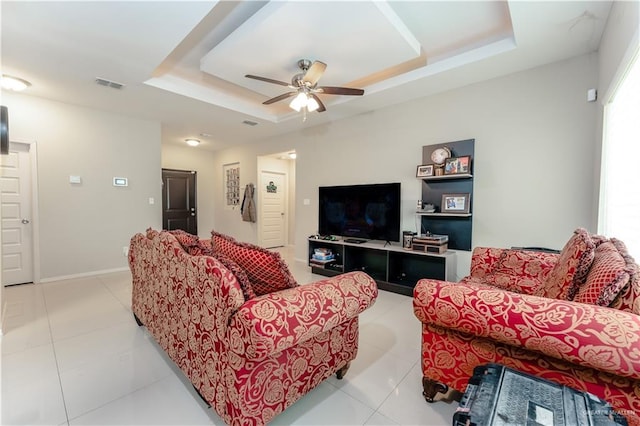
(369, 212)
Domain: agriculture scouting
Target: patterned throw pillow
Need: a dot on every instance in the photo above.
(609, 274)
(240, 274)
(151, 233)
(266, 270)
(186, 240)
(571, 269)
(197, 247)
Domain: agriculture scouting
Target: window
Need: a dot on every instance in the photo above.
(620, 180)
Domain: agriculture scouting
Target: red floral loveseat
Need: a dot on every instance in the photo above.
(572, 318)
(248, 351)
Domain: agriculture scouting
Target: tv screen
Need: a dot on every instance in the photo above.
(370, 212)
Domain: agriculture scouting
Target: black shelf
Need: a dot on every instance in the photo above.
(457, 226)
(393, 267)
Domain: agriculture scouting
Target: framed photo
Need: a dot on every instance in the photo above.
(455, 203)
(425, 170)
(457, 165)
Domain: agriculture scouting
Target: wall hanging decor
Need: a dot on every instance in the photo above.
(231, 179)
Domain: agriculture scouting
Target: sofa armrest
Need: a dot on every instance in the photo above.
(273, 322)
(593, 336)
(484, 260)
(525, 263)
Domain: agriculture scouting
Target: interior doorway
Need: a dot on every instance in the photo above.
(275, 199)
(19, 206)
(273, 209)
(179, 209)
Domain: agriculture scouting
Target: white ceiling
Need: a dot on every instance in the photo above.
(183, 63)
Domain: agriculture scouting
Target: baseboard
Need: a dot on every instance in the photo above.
(83, 275)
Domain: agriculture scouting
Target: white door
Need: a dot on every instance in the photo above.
(273, 192)
(15, 186)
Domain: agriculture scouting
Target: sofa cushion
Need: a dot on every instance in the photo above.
(609, 274)
(266, 269)
(571, 268)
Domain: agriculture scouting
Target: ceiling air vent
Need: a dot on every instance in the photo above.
(109, 83)
(249, 123)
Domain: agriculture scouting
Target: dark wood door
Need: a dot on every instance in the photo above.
(179, 201)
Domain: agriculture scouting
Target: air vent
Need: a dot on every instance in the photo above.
(109, 83)
(249, 123)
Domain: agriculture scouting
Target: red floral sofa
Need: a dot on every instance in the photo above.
(572, 318)
(248, 351)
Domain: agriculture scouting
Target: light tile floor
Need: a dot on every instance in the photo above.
(73, 355)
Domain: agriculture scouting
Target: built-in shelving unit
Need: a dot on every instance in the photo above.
(458, 226)
(394, 268)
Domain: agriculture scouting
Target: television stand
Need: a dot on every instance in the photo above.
(354, 241)
(393, 267)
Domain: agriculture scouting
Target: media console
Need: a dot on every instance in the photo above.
(394, 268)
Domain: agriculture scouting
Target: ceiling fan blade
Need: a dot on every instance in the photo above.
(340, 91)
(314, 73)
(321, 107)
(268, 80)
(279, 98)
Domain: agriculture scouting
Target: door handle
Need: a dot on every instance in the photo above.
(25, 221)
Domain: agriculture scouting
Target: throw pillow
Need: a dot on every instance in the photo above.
(571, 268)
(151, 233)
(186, 240)
(197, 247)
(609, 274)
(240, 274)
(266, 269)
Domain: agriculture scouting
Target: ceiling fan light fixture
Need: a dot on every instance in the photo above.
(299, 102)
(312, 104)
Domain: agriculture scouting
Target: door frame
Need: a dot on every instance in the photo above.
(285, 224)
(193, 173)
(35, 218)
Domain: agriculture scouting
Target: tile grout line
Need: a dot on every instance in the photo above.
(55, 355)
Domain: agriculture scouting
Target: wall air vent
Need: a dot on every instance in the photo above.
(249, 123)
(109, 83)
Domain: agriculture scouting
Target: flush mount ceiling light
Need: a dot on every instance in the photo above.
(192, 142)
(13, 83)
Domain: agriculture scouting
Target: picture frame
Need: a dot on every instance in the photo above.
(457, 165)
(424, 170)
(458, 203)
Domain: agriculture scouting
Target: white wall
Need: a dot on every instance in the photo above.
(535, 143)
(83, 228)
(201, 161)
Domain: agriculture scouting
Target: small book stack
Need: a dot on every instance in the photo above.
(430, 243)
(321, 256)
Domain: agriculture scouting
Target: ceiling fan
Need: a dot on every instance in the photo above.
(305, 87)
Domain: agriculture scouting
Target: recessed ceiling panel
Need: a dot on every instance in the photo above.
(347, 36)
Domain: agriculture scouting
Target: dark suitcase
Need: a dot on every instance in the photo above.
(499, 396)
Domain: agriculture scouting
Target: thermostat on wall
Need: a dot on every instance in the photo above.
(120, 181)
